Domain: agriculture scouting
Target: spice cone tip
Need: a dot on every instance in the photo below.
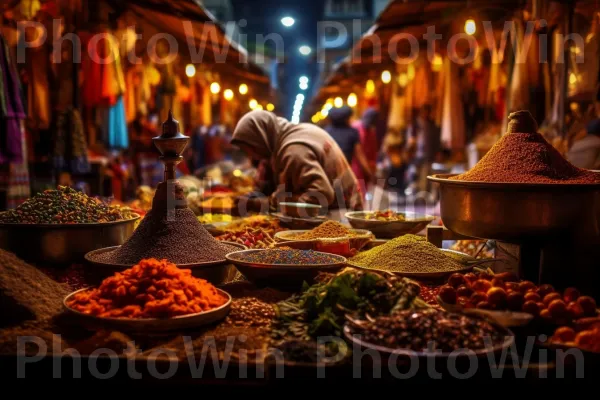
(521, 122)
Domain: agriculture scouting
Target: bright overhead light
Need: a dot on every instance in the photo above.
(370, 88)
(243, 89)
(386, 77)
(315, 118)
(253, 104)
(305, 50)
(259, 107)
(190, 70)
(328, 106)
(300, 96)
(270, 107)
(470, 27)
(338, 102)
(215, 88)
(288, 21)
(324, 113)
(303, 79)
(228, 94)
(303, 86)
(437, 62)
(403, 80)
(352, 100)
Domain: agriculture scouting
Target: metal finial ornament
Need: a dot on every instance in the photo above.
(170, 145)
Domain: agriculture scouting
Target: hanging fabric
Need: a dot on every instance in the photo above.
(70, 145)
(11, 109)
(453, 124)
(19, 188)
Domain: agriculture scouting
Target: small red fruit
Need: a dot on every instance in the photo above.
(486, 276)
(498, 282)
(456, 280)
(526, 286)
(482, 286)
(497, 297)
(512, 286)
(543, 290)
(464, 291)
(549, 298)
(557, 308)
(545, 315)
(571, 294)
(588, 305)
(464, 302)
(564, 334)
(515, 301)
(447, 294)
(532, 296)
(574, 310)
(478, 297)
(470, 277)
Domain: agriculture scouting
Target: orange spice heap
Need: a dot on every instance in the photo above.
(150, 289)
(327, 230)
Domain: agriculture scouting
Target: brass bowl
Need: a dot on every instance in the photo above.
(412, 223)
(515, 212)
(63, 243)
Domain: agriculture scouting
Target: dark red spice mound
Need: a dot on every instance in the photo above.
(526, 157)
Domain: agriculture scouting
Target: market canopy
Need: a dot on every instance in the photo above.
(192, 24)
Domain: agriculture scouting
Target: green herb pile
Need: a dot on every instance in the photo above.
(64, 205)
(320, 309)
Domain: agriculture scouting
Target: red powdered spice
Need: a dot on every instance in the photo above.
(523, 156)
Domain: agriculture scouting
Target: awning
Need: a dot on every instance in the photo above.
(194, 26)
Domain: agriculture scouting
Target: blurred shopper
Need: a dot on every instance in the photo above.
(369, 144)
(308, 166)
(585, 153)
(349, 140)
(424, 134)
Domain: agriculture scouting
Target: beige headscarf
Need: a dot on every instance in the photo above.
(270, 137)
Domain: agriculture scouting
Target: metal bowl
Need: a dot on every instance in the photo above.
(151, 324)
(285, 275)
(299, 210)
(413, 223)
(515, 212)
(216, 272)
(63, 243)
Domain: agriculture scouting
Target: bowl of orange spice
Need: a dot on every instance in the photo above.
(153, 295)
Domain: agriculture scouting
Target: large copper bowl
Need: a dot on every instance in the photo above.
(518, 213)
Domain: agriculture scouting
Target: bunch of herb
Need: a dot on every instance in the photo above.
(320, 309)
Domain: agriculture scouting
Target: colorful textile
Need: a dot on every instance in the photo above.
(11, 109)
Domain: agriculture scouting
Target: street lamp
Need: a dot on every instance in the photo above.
(288, 21)
(305, 50)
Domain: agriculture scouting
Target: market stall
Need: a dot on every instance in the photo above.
(288, 303)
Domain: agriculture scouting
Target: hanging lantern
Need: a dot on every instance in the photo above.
(386, 77)
(215, 88)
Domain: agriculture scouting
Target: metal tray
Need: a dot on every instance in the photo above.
(151, 324)
(216, 272)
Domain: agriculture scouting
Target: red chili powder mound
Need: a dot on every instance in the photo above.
(525, 158)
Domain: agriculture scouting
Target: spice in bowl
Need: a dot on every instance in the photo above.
(387, 215)
(523, 156)
(327, 230)
(150, 289)
(63, 205)
(417, 330)
(407, 254)
(180, 239)
(287, 257)
(251, 238)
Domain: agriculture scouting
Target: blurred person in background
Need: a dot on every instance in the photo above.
(369, 144)
(424, 135)
(585, 153)
(349, 140)
(307, 165)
